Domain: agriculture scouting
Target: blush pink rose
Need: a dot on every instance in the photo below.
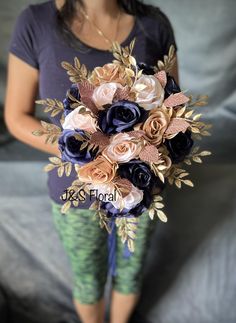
(104, 93)
(83, 121)
(122, 149)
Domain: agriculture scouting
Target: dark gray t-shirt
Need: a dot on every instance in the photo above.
(36, 41)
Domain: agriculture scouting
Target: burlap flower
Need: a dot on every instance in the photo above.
(99, 171)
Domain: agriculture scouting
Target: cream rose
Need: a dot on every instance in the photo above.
(122, 149)
(104, 93)
(77, 120)
(149, 92)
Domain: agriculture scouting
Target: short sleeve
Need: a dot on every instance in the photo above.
(23, 42)
(166, 33)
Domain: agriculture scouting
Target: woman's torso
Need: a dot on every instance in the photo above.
(51, 49)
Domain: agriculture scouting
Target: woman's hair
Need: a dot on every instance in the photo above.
(68, 11)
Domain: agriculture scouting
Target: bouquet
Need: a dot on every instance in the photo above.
(127, 129)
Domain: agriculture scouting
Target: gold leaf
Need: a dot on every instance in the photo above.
(197, 117)
(94, 205)
(151, 214)
(60, 171)
(159, 205)
(65, 207)
(183, 175)
(197, 159)
(132, 61)
(68, 169)
(157, 198)
(48, 167)
(38, 132)
(188, 182)
(55, 112)
(129, 72)
(178, 183)
(84, 145)
(206, 133)
(161, 215)
(131, 245)
(188, 114)
(180, 112)
(187, 162)
(55, 160)
(75, 203)
(205, 153)
(195, 130)
(131, 234)
(171, 180)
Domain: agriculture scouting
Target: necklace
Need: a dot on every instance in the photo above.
(99, 31)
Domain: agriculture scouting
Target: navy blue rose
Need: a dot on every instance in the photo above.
(179, 146)
(73, 91)
(70, 148)
(121, 116)
(147, 69)
(138, 173)
(171, 87)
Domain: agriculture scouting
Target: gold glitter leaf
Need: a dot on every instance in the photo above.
(176, 125)
(176, 99)
(149, 154)
(161, 76)
(100, 139)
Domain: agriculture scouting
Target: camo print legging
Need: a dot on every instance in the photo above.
(85, 244)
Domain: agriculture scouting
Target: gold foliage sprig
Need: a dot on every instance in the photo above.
(54, 106)
(62, 167)
(123, 55)
(159, 170)
(198, 101)
(77, 73)
(126, 230)
(156, 207)
(177, 177)
(52, 131)
(104, 221)
(86, 141)
(168, 61)
(195, 156)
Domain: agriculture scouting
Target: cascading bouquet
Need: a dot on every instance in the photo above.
(126, 128)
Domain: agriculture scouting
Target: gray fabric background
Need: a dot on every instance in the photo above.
(190, 272)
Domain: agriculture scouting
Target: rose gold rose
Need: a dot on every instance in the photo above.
(155, 126)
(108, 73)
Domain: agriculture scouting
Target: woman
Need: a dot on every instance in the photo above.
(44, 35)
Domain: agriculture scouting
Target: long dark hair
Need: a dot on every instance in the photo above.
(68, 11)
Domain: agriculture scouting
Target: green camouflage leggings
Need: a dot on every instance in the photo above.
(85, 244)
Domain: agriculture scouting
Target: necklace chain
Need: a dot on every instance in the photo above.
(99, 31)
